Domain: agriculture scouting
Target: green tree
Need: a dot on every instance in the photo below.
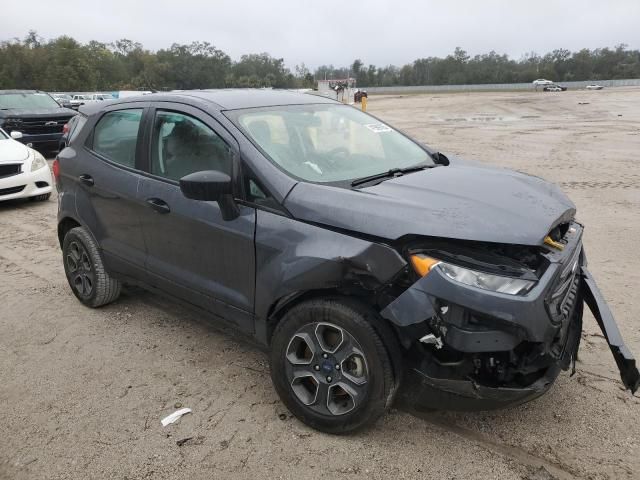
(63, 64)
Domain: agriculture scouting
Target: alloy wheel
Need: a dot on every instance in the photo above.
(326, 368)
(80, 269)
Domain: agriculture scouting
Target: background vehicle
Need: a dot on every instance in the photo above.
(354, 253)
(34, 114)
(554, 88)
(102, 97)
(87, 98)
(63, 99)
(542, 81)
(24, 173)
(594, 86)
(79, 100)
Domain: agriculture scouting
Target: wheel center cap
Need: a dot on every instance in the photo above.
(327, 366)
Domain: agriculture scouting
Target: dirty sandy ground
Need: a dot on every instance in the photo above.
(82, 391)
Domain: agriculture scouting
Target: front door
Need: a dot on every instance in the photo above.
(192, 252)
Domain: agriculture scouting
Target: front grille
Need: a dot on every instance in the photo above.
(38, 126)
(10, 169)
(10, 190)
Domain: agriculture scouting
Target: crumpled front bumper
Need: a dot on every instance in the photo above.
(424, 391)
(501, 325)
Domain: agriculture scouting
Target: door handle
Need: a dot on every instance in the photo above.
(86, 179)
(158, 205)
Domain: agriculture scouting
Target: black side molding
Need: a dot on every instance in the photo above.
(623, 357)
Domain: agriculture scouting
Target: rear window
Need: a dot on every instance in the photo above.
(116, 135)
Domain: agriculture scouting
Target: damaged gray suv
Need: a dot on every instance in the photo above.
(368, 264)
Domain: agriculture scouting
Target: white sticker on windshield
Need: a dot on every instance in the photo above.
(378, 127)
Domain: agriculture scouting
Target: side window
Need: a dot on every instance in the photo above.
(78, 122)
(182, 144)
(116, 135)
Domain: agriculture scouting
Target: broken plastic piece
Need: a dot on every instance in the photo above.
(431, 339)
(174, 416)
(600, 310)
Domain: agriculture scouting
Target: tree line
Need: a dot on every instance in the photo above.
(64, 64)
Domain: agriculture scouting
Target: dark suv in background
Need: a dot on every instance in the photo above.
(35, 115)
(361, 258)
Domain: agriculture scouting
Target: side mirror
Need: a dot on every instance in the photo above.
(211, 186)
(16, 135)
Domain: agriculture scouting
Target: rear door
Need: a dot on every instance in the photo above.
(192, 252)
(108, 177)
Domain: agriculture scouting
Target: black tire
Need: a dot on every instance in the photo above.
(313, 390)
(85, 272)
(40, 198)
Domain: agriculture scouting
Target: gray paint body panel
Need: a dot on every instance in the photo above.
(461, 201)
(295, 257)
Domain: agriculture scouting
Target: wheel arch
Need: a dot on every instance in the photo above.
(361, 301)
(280, 307)
(64, 225)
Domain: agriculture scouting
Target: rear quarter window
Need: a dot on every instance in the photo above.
(75, 126)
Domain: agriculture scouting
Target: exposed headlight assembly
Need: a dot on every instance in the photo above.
(37, 161)
(424, 264)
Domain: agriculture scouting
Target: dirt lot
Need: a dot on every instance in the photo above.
(82, 391)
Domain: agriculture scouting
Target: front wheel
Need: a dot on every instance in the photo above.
(331, 367)
(85, 272)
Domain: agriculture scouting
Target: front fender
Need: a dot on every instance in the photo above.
(294, 257)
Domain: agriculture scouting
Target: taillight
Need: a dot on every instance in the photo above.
(55, 166)
(65, 129)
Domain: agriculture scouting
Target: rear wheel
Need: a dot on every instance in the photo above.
(331, 367)
(85, 272)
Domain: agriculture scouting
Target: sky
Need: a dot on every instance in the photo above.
(332, 32)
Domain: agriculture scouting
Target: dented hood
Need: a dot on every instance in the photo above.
(461, 201)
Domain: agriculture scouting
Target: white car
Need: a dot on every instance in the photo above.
(82, 99)
(78, 100)
(24, 173)
(594, 86)
(542, 81)
(99, 97)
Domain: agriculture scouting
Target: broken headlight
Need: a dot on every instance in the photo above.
(423, 264)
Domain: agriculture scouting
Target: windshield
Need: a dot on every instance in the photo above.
(328, 143)
(27, 100)
(3, 136)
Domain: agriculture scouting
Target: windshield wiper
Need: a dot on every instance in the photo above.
(394, 172)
